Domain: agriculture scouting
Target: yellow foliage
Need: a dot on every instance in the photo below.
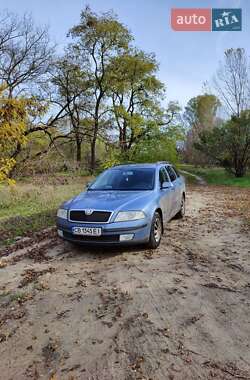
(6, 164)
(13, 122)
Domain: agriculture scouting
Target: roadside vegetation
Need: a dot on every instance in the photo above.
(100, 102)
(218, 121)
(31, 204)
(215, 176)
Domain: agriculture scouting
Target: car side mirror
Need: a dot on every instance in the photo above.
(166, 185)
(88, 184)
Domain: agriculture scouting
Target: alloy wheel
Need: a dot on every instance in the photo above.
(157, 229)
(183, 206)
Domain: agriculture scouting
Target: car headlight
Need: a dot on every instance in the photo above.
(62, 213)
(124, 216)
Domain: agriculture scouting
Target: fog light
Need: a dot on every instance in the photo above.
(126, 237)
(60, 233)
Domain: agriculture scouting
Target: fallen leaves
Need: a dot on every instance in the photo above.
(3, 337)
(137, 363)
(12, 314)
(228, 368)
(30, 275)
(50, 351)
(62, 314)
(193, 320)
(2, 264)
(213, 285)
(149, 254)
(112, 301)
(27, 241)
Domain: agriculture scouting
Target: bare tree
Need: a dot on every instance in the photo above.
(232, 81)
(71, 93)
(8, 31)
(25, 53)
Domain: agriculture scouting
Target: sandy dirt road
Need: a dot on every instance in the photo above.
(180, 312)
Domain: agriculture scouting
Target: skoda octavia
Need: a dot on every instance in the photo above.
(127, 204)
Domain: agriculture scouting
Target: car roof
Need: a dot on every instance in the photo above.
(144, 165)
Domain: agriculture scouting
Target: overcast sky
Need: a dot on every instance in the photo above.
(187, 59)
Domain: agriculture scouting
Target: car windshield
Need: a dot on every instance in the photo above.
(125, 179)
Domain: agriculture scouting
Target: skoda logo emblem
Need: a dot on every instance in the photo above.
(88, 211)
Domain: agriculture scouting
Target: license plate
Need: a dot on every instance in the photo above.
(87, 231)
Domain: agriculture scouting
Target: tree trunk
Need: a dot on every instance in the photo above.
(93, 147)
(240, 170)
(78, 146)
(123, 138)
(14, 156)
(93, 155)
(78, 151)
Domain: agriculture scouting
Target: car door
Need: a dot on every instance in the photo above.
(175, 197)
(179, 188)
(166, 195)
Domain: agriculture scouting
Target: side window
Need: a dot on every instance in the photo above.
(163, 176)
(171, 173)
(176, 171)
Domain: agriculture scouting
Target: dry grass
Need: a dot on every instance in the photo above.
(31, 204)
(40, 194)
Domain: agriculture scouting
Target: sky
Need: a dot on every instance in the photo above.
(186, 59)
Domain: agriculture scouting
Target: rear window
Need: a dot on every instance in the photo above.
(176, 171)
(171, 173)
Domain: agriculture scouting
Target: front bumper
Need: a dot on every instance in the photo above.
(111, 232)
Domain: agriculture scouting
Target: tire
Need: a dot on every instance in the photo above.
(181, 213)
(155, 231)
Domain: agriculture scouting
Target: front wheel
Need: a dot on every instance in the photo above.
(181, 213)
(156, 231)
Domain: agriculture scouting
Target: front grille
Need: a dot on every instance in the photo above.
(95, 217)
(102, 238)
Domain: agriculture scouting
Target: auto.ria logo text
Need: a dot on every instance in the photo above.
(206, 19)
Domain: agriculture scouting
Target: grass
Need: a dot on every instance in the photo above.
(18, 296)
(189, 178)
(31, 205)
(13, 297)
(217, 176)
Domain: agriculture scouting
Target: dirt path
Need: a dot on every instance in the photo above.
(180, 312)
(199, 180)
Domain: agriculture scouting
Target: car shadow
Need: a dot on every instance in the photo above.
(105, 252)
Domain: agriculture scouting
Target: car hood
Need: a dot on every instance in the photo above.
(110, 200)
